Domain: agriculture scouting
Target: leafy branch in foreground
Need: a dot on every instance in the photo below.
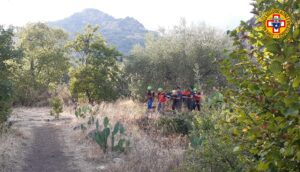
(265, 94)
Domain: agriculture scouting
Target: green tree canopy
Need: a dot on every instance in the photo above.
(95, 73)
(183, 56)
(44, 62)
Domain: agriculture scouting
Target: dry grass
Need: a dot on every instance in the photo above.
(10, 155)
(14, 144)
(149, 151)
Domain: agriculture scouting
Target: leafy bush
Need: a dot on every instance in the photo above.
(57, 106)
(180, 123)
(212, 146)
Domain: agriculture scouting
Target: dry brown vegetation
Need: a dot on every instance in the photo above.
(11, 151)
(15, 141)
(149, 150)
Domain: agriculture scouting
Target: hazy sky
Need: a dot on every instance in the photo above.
(224, 14)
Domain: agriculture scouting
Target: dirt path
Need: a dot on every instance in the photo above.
(44, 149)
(47, 153)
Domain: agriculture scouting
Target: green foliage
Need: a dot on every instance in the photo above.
(265, 93)
(43, 65)
(7, 52)
(216, 99)
(5, 98)
(57, 106)
(101, 137)
(180, 124)
(95, 74)
(211, 143)
(83, 111)
(120, 146)
(86, 112)
(184, 56)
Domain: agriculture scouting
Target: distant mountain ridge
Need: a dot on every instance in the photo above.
(123, 33)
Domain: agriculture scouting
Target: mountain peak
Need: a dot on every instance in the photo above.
(122, 33)
(92, 11)
(91, 15)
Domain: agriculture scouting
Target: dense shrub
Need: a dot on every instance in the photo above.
(212, 146)
(179, 123)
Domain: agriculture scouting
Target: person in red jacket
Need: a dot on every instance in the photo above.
(161, 100)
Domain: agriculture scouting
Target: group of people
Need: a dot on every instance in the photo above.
(189, 98)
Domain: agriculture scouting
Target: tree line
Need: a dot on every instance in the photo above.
(37, 60)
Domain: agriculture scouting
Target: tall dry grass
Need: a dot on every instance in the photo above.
(149, 151)
(12, 154)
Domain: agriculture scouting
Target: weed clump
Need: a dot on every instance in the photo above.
(57, 107)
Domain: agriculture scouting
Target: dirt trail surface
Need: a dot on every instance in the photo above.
(47, 154)
(43, 148)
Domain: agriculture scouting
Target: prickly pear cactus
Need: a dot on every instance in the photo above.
(82, 111)
(101, 137)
